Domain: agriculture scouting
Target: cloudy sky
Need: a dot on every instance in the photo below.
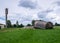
(25, 11)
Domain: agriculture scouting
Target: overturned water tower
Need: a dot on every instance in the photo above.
(42, 24)
(6, 13)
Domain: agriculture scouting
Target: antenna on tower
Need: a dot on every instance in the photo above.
(6, 13)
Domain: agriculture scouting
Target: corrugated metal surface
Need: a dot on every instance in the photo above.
(42, 24)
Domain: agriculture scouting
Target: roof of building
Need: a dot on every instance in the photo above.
(2, 24)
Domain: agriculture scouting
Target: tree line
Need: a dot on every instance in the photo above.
(16, 25)
(56, 24)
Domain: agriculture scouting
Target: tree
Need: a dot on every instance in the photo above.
(33, 22)
(14, 25)
(9, 24)
(28, 24)
(17, 23)
(56, 24)
(21, 25)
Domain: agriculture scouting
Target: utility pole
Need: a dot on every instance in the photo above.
(6, 13)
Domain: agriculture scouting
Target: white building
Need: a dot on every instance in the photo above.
(2, 26)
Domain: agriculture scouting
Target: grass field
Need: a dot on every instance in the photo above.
(17, 35)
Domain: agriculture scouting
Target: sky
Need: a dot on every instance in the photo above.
(24, 11)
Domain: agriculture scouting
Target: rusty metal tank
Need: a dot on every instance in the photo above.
(43, 24)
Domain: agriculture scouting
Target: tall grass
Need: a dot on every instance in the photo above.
(30, 35)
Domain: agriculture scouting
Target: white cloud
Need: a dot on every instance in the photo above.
(27, 4)
(2, 21)
(53, 17)
(42, 8)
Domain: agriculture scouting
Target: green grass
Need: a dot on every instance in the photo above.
(17, 35)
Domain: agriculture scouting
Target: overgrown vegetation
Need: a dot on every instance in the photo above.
(20, 35)
(56, 24)
(17, 25)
